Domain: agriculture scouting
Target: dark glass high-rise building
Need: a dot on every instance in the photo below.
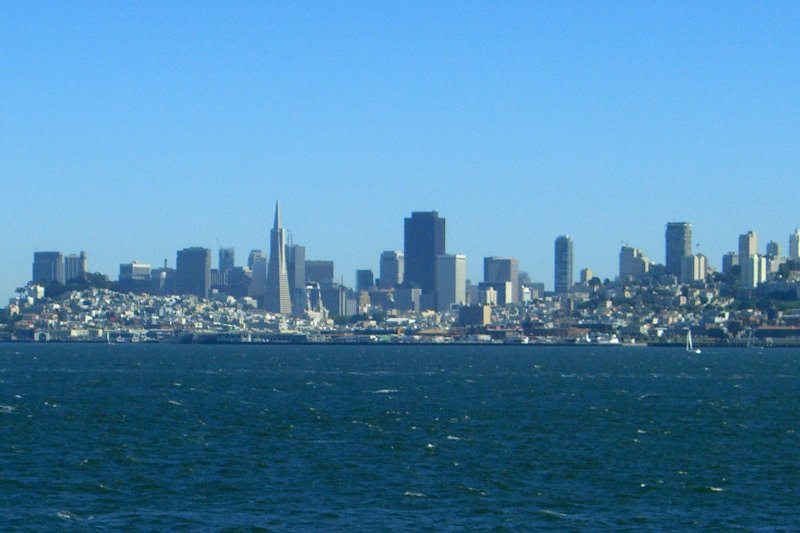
(193, 271)
(48, 267)
(319, 272)
(679, 244)
(424, 242)
(225, 261)
(563, 264)
(365, 279)
(502, 269)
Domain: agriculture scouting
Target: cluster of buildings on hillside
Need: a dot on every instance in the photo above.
(420, 289)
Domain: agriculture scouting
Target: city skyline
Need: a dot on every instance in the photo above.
(427, 230)
(131, 132)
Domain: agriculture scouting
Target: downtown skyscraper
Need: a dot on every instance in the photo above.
(501, 270)
(48, 267)
(392, 267)
(424, 242)
(794, 244)
(193, 271)
(276, 297)
(678, 239)
(563, 264)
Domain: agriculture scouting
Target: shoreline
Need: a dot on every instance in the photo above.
(794, 343)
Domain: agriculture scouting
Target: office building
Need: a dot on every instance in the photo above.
(475, 315)
(794, 244)
(424, 242)
(74, 266)
(753, 270)
(134, 271)
(679, 244)
(276, 295)
(693, 268)
(632, 263)
(296, 272)
(258, 283)
(254, 256)
(537, 289)
(392, 269)
(773, 249)
(487, 295)
(338, 300)
(749, 270)
(729, 260)
(48, 267)
(407, 297)
(162, 280)
(563, 264)
(296, 266)
(502, 269)
(451, 282)
(193, 271)
(586, 275)
(748, 243)
(500, 291)
(364, 280)
(239, 280)
(135, 277)
(319, 272)
(226, 263)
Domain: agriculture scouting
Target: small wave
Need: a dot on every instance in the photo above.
(66, 515)
(385, 391)
(7, 409)
(556, 514)
(414, 494)
(175, 402)
(430, 446)
(451, 437)
(716, 489)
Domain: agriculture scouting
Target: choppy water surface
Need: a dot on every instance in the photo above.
(304, 437)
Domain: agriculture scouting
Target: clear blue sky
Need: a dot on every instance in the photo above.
(132, 129)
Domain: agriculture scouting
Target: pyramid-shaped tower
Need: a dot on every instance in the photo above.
(276, 298)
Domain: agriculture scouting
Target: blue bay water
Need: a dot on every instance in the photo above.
(157, 437)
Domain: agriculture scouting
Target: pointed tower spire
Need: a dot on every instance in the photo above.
(276, 296)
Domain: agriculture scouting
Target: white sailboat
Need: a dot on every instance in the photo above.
(689, 344)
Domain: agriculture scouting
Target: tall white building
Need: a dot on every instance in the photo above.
(632, 262)
(794, 244)
(74, 266)
(747, 249)
(754, 271)
(693, 268)
(747, 244)
(276, 296)
(451, 282)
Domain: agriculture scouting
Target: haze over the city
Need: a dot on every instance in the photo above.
(131, 131)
